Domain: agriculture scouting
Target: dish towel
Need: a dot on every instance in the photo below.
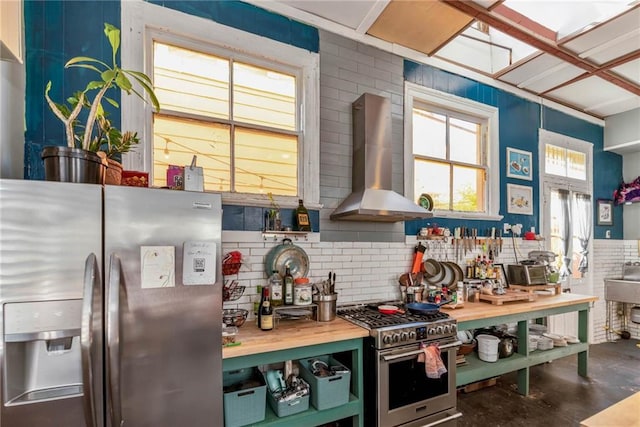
(433, 365)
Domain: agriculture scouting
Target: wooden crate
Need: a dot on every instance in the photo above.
(556, 287)
(510, 296)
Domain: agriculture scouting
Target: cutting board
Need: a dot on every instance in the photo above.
(510, 296)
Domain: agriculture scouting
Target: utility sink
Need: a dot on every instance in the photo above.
(625, 289)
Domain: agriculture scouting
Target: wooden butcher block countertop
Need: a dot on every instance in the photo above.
(291, 333)
(484, 310)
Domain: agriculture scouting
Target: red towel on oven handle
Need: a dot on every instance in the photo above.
(433, 366)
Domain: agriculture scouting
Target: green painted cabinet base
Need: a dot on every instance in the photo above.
(477, 370)
(311, 417)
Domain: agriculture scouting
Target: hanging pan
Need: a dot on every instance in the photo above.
(287, 255)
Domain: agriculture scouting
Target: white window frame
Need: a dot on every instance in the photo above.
(416, 94)
(141, 21)
(550, 182)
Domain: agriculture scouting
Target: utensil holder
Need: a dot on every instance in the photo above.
(326, 307)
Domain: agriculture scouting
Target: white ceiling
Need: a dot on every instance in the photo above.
(594, 69)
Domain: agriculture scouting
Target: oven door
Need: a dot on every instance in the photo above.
(405, 392)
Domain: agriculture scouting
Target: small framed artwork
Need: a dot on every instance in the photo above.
(605, 212)
(519, 199)
(519, 164)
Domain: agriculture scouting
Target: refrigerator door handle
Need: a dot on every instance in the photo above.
(113, 339)
(92, 286)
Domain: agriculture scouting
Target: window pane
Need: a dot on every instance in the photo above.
(433, 178)
(576, 165)
(266, 162)
(555, 160)
(191, 82)
(465, 141)
(468, 189)
(175, 141)
(429, 134)
(264, 97)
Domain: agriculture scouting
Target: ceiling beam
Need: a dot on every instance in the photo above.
(526, 33)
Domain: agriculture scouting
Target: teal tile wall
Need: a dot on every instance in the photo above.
(520, 120)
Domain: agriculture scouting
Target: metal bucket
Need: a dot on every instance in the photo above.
(326, 306)
(66, 164)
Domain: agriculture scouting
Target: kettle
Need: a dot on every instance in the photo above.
(506, 346)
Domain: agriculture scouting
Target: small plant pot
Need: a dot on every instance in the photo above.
(66, 164)
(114, 173)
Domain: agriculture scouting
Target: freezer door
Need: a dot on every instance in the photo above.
(47, 231)
(163, 338)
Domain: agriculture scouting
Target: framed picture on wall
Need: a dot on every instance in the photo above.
(519, 199)
(605, 212)
(519, 164)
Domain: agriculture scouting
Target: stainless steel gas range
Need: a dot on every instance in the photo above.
(398, 393)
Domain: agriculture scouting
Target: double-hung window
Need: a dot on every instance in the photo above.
(453, 144)
(240, 119)
(245, 105)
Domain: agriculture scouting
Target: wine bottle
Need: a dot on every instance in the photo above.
(266, 311)
(302, 217)
(288, 287)
(275, 282)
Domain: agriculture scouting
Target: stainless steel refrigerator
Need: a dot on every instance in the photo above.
(110, 306)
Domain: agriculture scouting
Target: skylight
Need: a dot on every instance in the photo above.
(569, 16)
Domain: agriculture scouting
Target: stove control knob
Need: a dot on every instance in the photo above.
(386, 339)
(395, 338)
(446, 329)
(454, 327)
(431, 331)
(439, 329)
(404, 336)
(412, 335)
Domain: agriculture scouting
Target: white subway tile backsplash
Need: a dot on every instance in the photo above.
(370, 270)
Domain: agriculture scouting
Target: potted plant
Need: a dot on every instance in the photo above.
(84, 158)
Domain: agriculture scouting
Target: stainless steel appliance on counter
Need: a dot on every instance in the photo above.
(141, 347)
(397, 391)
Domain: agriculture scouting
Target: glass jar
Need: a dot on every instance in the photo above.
(302, 292)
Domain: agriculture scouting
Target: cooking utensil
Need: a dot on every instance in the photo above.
(425, 307)
(436, 278)
(388, 309)
(287, 255)
(431, 268)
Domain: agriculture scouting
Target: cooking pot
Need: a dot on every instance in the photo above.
(425, 307)
(506, 346)
(287, 255)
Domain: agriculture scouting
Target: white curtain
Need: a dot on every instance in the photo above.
(564, 223)
(582, 216)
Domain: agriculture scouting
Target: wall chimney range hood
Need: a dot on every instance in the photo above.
(372, 198)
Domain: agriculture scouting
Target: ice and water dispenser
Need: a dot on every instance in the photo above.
(42, 351)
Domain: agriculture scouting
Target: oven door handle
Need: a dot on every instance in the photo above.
(444, 420)
(415, 352)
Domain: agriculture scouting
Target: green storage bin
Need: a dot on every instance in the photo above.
(326, 392)
(283, 409)
(246, 405)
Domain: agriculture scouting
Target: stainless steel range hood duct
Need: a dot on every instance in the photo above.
(372, 198)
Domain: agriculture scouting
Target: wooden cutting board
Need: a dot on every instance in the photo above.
(510, 296)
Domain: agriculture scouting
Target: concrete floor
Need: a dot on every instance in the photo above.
(558, 396)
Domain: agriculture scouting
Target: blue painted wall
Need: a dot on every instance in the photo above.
(56, 31)
(520, 120)
(52, 38)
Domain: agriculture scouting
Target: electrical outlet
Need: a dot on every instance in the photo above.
(607, 234)
(506, 228)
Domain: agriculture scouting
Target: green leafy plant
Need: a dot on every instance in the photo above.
(111, 77)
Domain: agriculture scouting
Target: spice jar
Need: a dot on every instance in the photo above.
(302, 291)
